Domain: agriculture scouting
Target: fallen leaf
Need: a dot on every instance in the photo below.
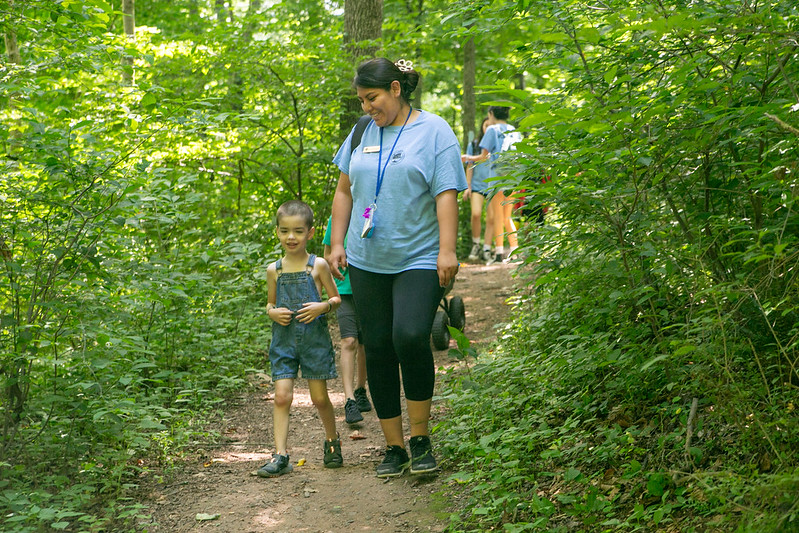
(203, 517)
(356, 435)
(301, 462)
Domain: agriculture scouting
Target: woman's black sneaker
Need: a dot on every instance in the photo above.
(422, 460)
(362, 400)
(395, 462)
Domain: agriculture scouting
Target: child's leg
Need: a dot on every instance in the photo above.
(489, 233)
(321, 400)
(349, 347)
(476, 201)
(360, 374)
(499, 219)
(284, 394)
(510, 227)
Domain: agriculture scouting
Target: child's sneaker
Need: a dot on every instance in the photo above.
(352, 414)
(333, 458)
(474, 254)
(422, 455)
(497, 258)
(278, 466)
(394, 463)
(487, 256)
(362, 400)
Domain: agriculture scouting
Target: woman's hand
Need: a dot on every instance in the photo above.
(337, 259)
(447, 266)
(342, 208)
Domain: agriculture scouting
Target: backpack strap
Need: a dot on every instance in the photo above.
(357, 133)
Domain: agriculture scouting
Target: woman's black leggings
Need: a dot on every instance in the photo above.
(396, 314)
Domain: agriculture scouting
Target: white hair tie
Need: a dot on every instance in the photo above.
(404, 65)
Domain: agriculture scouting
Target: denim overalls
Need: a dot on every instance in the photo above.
(299, 345)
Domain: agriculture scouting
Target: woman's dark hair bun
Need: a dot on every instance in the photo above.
(379, 73)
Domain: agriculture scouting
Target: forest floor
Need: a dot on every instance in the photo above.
(216, 489)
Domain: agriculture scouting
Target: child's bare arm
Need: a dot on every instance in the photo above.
(322, 276)
(281, 315)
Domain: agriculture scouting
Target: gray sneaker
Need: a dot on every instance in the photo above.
(473, 255)
(495, 259)
(487, 256)
(362, 400)
(278, 466)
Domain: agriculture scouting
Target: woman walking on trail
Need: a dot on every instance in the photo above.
(397, 203)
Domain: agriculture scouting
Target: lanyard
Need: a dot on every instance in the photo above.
(381, 175)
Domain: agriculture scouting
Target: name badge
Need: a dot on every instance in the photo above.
(371, 149)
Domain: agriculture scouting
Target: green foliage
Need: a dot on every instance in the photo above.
(662, 276)
(134, 235)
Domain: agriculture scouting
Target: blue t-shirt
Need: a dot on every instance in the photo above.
(426, 162)
(492, 141)
(481, 170)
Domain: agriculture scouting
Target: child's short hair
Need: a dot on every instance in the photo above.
(294, 208)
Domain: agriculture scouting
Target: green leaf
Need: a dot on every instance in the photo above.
(571, 474)
(148, 100)
(610, 75)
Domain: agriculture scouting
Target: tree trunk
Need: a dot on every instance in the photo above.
(236, 82)
(12, 48)
(469, 100)
(363, 21)
(14, 58)
(13, 369)
(129, 24)
(419, 18)
(222, 11)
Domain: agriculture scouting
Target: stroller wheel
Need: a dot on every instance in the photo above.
(457, 313)
(440, 333)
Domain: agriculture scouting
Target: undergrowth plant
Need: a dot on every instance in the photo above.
(649, 378)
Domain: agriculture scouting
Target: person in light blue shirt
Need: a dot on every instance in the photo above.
(499, 137)
(397, 204)
(475, 194)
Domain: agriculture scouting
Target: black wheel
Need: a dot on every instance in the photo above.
(440, 333)
(457, 313)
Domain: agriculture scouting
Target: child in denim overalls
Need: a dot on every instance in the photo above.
(300, 338)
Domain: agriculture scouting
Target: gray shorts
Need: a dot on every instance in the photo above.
(348, 324)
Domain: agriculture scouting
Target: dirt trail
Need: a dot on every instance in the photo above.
(221, 480)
